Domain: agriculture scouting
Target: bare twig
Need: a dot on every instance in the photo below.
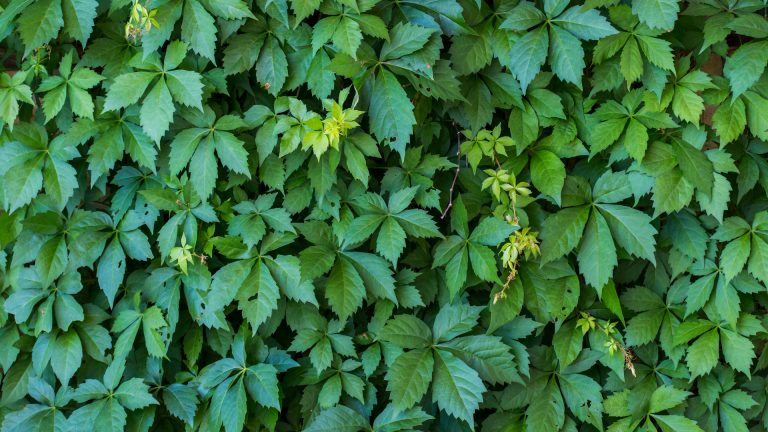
(629, 355)
(496, 159)
(455, 176)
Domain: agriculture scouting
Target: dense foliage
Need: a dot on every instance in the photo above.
(383, 215)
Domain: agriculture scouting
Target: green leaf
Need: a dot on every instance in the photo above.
(261, 283)
(631, 229)
(697, 169)
(391, 112)
(199, 30)
(409, 376)
(524, 16)
(67, 356)
(392, 419)
(157, 111)
(344, 289)
(234, 408)
(505, 308)
(111, 269)
(330, 393)
(745, 66)
(457, 389)
(337, 419)
(758, 258)
(488, 355)
(703, 354)
(658, 51)
(52, 260)
(660, 14)
(304, 8)
(272, 66)
(737, 350)
(643, 328)
(407, 331)
(671, 192)
(229, 9)
(666, 397)
(78, 18)
(390, 242)
(734, 256)
(127, 89)
(203, 169)
(548, 173)
(547, 412)
(491, 231)
(262, 385)
(181, 402)
(231, 152)
(528, 55)
(134, 394)
(405, 38)
(567, 343)
(186, 87)
(729, 120)
(454, 320)
(631, 61)
(567, 56)
(597, 253)
(39, 23)
(347, 36)
(636, 139)
(585, 25)
(676, 423)
(562, 232)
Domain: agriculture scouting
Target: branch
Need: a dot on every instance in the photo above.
(455, 176)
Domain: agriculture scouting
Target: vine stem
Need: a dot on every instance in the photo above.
(455, 176)
(626, 352)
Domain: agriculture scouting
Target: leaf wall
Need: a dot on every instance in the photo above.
(348, 215)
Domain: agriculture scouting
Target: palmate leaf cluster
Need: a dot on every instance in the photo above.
(378, 215)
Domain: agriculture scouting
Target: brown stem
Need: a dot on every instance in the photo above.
(455, 176)
(626, 352)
